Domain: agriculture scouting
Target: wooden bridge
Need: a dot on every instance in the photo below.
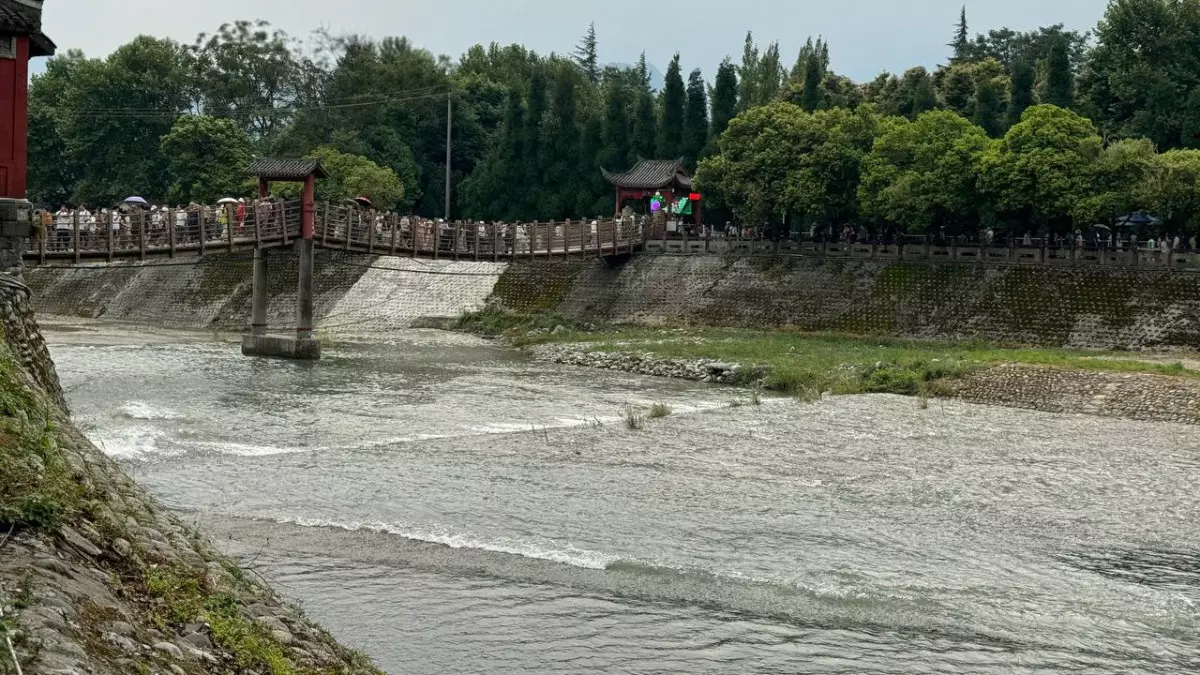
(198, 231)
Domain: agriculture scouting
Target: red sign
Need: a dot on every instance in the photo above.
(695, 196)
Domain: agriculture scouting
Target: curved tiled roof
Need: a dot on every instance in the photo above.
(652, 174)
(287, 169)
(17, 17)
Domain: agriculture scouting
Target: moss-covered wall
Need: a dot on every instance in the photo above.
(1062, 306)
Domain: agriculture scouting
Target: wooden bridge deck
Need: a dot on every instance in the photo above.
(339, 228)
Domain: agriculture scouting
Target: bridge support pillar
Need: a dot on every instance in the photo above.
(302, 346)
(304, 294)
(258, 310)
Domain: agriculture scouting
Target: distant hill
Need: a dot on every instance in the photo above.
(657, 79)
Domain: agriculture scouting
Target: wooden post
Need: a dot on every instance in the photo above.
(437, 238)
(257, 227)
(531, 230)
(414, 226)
(203, 231)
(476, 229)
(395, 226)
(76, 221)
(599, 227)
(371, 235)
(457, 237)
(325, 228)
(42, 243)
(111, 243)
(141, 238)
(496, 242)
(550, 227)
(170, 233)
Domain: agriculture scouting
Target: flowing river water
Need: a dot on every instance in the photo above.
(447, 505)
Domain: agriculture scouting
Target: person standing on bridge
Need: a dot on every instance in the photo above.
(63, 223)
(241, 216)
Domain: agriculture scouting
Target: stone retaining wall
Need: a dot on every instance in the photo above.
(1051, 306)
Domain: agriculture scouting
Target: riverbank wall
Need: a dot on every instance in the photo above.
(355, 295)
(98, 577)
(1078, 307)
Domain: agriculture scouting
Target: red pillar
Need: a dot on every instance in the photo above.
(14, 78)
(306, 209)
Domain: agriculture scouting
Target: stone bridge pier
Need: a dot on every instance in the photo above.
(302, 345)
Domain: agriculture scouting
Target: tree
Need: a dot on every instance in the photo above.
(1173, 190)
(922, 175)
(724, 98)
(1042, 170)
(616, 129)
(924, 98)
(587, 57)
(814, 75)
(645, 128)
(114, 114)
(695, 119)
(961, 43)
(1121, 183)
(350, 176)
(250, 73)
(206, 159)
(1059, 84)
(1140, 76)
(777, 159)
(1020, 90)
(53, 172)
(988, 106)
(748, 74)
(672, 110)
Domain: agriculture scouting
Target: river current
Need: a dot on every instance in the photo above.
(449, 506)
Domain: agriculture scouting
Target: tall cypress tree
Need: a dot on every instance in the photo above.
(587, 56)
(645, 129)
(771, 73)
(533, 121)
(615, 135)
(1059, 87)
(989, 106)
(695, 119)
(592, 186)
(748, 75)
(512, 167)
(1020, 95)
(670, 133)
(643, 71)
(811, 97)
(724, 98)
(962, 39)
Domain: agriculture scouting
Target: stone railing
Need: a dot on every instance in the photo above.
(1039, 252)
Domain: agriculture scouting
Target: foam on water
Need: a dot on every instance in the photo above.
(143, 410)
(564, 554)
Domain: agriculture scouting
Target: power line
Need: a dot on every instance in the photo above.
(133, 114)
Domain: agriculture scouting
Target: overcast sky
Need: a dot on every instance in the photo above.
(866, 36)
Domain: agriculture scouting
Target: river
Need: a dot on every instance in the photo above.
(449, 506)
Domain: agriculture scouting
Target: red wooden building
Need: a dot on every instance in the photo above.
(21, 39)
(650, 176)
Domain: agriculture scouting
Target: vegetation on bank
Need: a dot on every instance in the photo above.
(807, 364)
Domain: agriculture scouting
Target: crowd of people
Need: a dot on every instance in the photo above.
(127, 225)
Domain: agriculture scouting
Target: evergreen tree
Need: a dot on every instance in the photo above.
(643, 71)
(591, 195)
(1059, 87)
(645, 129)
(587, 57)
(770, 75)
(670, 133)
(989, 106)
(616, 131)
(813, 94)
(724, 98)
(924, 98)
(1020, 95)
(533, 121)
(748, 75)
(695, 119)
(962, 39)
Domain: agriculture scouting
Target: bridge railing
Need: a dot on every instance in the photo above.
(138, 233)
(81, 234)
(355, 229)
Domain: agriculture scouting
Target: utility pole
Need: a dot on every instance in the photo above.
(449, 126)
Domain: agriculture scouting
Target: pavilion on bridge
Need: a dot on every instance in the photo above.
(649, 177)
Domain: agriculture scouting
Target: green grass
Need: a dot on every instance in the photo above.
(519, 328)
(805, 365)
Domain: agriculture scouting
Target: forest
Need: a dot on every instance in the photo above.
(1048, 129)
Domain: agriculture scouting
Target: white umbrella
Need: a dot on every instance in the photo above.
(228, 200)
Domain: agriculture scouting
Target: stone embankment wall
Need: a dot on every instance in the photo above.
(356, 295)
(1110, 308)
(95, 575)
